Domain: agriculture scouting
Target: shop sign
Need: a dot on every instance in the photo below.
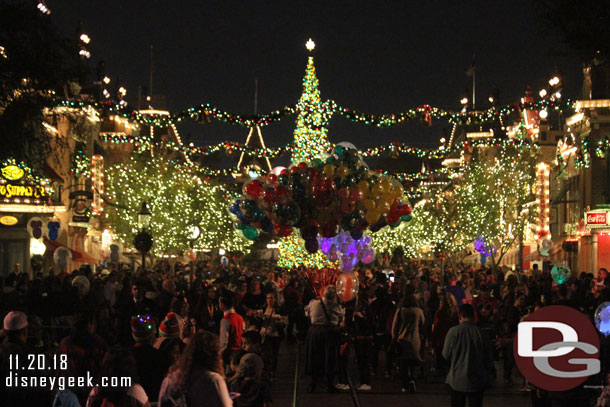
(16, 188)
(597, 219)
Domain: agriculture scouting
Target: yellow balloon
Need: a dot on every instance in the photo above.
(372, 216)
(342, 172)
(384, 206)
(388, 197)
(364, 186)
(369, 204)
(386, 185)
(329, 170)
(376, 190)
(397, 191)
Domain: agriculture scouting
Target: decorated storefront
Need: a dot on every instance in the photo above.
(596, 245)
(29, 214)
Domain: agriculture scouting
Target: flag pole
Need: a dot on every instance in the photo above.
(474, 83)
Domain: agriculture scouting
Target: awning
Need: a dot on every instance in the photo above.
(52, 245)
(77, 255)
(472, 259)
(511, 257)
(556, 254)
(84, 257)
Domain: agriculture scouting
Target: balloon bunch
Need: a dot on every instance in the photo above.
(346, 250)
(321, 198)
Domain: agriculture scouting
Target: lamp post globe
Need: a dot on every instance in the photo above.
(143, 241)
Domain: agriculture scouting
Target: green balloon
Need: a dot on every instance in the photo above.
(250, 232)
(339, 150)
(406, 218)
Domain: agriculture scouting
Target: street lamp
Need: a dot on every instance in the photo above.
(144, 216)
(193, 232)
(143, 241)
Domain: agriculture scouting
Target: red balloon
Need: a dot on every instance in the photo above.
(253, 188)
(280, 191)
(407, 210)
(323, 197)
(356, 194)
(330, 229)
(302, 165)
(394, 205)
(284, 172)
(282, 230)
(269, 195)
(348, 206)
(294, 169)
(329, 184)
(392, 218)
(347, 286)
(272, 178)
(343, 193)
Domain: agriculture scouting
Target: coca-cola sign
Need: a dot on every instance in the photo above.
(596, 219)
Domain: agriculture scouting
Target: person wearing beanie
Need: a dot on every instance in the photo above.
(152, 363)
(169, 328)
(15, 326)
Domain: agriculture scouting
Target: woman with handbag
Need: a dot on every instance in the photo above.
(408, 323)
(325, 315)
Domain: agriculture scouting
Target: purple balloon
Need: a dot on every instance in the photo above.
(327, 243)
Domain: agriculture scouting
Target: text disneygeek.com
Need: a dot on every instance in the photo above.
(20, 381)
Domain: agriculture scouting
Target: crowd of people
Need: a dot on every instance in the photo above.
(206, 335)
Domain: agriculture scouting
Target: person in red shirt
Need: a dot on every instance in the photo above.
(231, 326)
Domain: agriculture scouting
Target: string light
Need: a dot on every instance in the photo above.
(81, 164)
(310, 134)
(177, 198)
(206, 112)
(97, 183)
(543, 200)
(292, 254)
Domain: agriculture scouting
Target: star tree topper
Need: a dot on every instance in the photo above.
(310, 45)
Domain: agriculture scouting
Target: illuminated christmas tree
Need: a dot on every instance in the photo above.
(293, 254)
(310, 135)
(177, 197)
(310, 141)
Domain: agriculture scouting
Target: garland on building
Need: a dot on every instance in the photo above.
(394, 148)
(81, 164)
(583, 155)
(206, 112)
(602, 147)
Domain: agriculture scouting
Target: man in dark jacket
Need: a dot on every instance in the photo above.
(468, 350)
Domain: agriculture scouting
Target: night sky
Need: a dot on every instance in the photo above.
(374, 56)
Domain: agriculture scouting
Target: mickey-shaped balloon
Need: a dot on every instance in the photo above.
(62, 258)
(54, 228)
(35, 228)
(114, 253)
